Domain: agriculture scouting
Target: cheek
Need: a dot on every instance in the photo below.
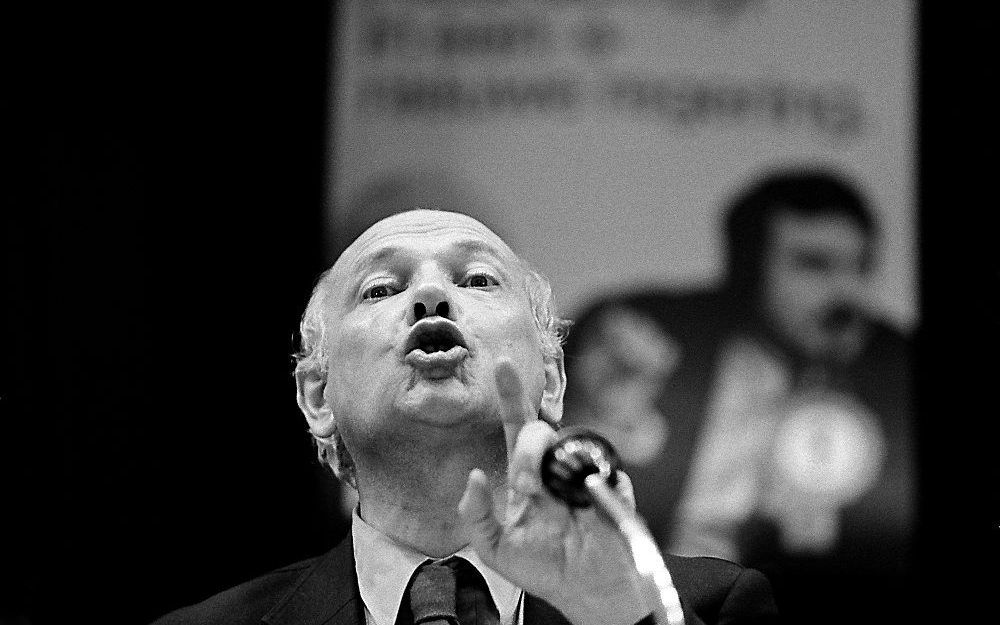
(795, 293)
(810, 295)
(362, 337)
(521, 342)
(506, 334)
(514, 330)
(357, 351)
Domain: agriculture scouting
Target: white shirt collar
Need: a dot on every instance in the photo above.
(384, 568)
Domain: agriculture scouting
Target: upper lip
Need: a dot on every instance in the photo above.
(434, 335)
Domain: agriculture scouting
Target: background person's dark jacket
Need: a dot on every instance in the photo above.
(871, 562)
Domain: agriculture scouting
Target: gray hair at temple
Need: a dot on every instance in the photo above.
(313, 354)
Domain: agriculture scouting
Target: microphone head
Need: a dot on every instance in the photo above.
(577, 454)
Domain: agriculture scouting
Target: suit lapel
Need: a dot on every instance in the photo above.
(327, 594)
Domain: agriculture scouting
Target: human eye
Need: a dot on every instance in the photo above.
(480, 280)
(380, 290)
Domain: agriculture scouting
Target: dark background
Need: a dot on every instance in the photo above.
(162, 199)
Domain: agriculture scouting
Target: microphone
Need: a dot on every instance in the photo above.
(581, 468)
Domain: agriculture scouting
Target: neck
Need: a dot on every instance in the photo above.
(412, 495)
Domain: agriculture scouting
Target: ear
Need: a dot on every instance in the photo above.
(551, 409)
(309, 387)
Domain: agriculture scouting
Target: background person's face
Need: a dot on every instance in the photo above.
(391, 281)
(815, 283)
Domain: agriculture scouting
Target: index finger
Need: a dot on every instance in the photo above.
(524, 473)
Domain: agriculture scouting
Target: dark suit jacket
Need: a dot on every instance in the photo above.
(324, 590)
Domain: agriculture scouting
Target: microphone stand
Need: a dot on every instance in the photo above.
(648, 561)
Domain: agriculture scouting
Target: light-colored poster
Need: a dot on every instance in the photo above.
(602, 139)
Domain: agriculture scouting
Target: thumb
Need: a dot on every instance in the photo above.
(478, 515)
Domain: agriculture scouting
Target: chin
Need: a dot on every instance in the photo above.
(445, 402)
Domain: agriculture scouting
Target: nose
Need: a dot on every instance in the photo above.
(847, 300)
(850, 287)
(431, 299)
(420, 310)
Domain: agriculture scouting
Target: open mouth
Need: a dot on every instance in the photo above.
(432, 337)
(436, 348)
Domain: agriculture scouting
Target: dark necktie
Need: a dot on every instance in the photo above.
(450, 593)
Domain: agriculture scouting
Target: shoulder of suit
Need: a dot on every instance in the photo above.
(703, 567)
(705, 581)
(243, 604)
(720, 591)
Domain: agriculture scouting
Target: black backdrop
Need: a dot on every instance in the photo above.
(162, 197)
(161, 236)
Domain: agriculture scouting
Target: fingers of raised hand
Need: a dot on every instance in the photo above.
(524, 472)
(477, 512)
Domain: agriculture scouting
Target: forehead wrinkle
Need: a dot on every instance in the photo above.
(420, 223)
(380, 256)
(386, 249)
(475, 247)
(471, 248)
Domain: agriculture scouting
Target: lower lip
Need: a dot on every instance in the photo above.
(437, 361)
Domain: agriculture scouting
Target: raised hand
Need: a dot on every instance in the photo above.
(572, 558)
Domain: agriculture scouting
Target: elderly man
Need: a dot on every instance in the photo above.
(430, 374)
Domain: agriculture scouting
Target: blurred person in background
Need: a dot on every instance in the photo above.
(768, 421)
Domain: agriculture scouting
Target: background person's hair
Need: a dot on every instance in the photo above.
(799, 191)
(312, 354)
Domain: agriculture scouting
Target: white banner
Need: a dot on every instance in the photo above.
(603, 139)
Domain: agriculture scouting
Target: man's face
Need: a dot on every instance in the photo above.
(815, 281)
(426, 308)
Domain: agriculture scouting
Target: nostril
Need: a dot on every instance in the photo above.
(442, 309)
(419, 310)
